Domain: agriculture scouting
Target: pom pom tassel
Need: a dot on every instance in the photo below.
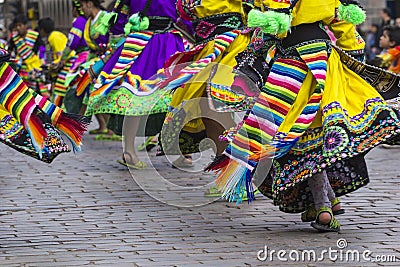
(136, 23)
(105, 22)
(351, 13)
(270, 22)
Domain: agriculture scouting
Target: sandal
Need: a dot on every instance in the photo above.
(139, 165)
(334, 203)
(310, 213)
(148, 144)
(332, 226)
(245, 198)
(98, 131)
(183, 162)
(108, 137)
(213, 191)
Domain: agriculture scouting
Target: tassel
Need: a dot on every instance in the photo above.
(218, 163)
(74, 127)
(37, 132)
(270, 22)
(351, 13)
(235, 183)
(136, 23)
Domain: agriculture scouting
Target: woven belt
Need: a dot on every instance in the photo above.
(208, 27)
(160, 24)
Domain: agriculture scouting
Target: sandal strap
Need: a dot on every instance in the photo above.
(335, 202)
(333, 223)
(309, 214)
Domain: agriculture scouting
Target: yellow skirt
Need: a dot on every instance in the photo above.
(352, 119)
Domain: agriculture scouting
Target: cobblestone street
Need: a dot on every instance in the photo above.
(88, 210)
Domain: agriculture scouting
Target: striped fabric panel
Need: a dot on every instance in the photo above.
(14, 95)
(77, 32)
(25, 45)
(133, 46)
(178, 78)
(17, 99)
(259, 130)
(48, 107)
(269, 111)
(316, 56)
(60, 88)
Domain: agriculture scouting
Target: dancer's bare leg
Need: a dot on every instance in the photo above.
(215, 125)
(129, 131)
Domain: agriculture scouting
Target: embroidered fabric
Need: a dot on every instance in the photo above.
(208, 27)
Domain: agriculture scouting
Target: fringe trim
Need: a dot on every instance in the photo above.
(218, 163)
(34, 125)
(74, 127)
(236, 183)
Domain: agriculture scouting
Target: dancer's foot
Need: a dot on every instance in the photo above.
(184, 161)
(150, 142)
(131, 161)
(99, 131)
(325, 221)
(310, 214)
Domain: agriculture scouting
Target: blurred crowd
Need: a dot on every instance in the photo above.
(382, 42)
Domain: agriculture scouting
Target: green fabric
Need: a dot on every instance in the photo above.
(122, 102)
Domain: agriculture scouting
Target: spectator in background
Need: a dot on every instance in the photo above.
(397, 22)
(386, 20)
(371, 46)
(389, 43)
(27, 42)
(55, 41)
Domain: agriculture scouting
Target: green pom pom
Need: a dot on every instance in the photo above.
(352, 14)
(256, 18)
(270, 22)
(136, 23)
(144, 23)
(127, 28)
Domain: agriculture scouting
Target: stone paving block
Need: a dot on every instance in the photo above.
(86, 209)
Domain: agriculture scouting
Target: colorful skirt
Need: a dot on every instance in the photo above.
(190, 72)
(353, 119)
(119, 72)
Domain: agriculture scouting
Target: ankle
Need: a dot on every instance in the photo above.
(324, 218)
(336, 207)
